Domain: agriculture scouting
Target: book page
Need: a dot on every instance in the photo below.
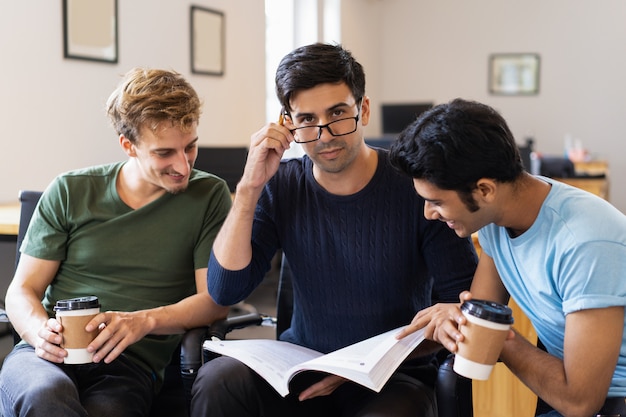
(370, 362)
(269, 358)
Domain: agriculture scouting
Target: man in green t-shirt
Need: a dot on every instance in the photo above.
(137, 234)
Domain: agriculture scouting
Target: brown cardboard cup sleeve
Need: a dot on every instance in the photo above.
(74, 314)
(487, 327)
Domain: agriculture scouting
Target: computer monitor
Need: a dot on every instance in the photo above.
(395, 117)
(384, 143)
(227, 163)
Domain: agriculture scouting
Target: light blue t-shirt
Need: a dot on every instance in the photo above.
(572, 258)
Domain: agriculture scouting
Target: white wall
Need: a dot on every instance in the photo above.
(52, 109)
(438, 50)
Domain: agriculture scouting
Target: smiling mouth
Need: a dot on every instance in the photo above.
(175, 176)
(450, 223)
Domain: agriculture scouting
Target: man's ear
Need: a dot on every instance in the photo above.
(485, 189)
(365, 111)
(127, 146)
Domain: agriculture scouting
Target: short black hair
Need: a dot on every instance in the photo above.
(455, 144)
(318, 63)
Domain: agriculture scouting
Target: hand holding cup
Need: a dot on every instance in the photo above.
(74, 314)
(487, 326)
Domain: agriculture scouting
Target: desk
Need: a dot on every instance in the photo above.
(9, 219)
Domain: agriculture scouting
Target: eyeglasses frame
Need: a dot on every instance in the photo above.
(326, 126)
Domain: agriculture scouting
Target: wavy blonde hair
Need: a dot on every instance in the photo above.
(150, 97)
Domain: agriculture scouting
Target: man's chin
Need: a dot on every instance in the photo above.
(176, 190)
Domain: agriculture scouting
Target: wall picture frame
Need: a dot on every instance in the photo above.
(90, 30)
(514, 74)
(207, 41)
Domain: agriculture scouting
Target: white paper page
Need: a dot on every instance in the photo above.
(269, 358)
(357, 361)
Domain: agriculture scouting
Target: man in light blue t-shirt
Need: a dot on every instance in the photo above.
(560, 252)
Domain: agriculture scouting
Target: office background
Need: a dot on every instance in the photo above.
(52, 109)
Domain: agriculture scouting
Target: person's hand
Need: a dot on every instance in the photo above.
(267, 147)
(118, 330)
(324, 387)
(48, 340)
(440, 323)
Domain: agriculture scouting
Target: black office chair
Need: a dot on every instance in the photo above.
(172, 401)
(454, 392)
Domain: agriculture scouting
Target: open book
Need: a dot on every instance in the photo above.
(370, 362)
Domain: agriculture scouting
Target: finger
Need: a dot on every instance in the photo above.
(464, 296)
(52, 337)
(449, 337)
(50, 352)
(110, 350)
(117, 350)
(96, 322)
(273, 136)
(324, 387)
(511, 335)
(409, 329)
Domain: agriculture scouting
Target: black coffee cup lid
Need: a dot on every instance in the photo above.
(488, 310)
(80, 303)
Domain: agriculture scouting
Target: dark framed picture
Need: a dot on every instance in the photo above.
(207, 41)
(90, 30)
(514, 74)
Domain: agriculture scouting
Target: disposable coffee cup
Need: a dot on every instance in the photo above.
(485, 331)
(74, 314)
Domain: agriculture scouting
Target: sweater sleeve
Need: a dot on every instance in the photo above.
(230, 287)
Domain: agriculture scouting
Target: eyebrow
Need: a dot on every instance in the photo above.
(430, 200)
(328, 110)
(193, 142)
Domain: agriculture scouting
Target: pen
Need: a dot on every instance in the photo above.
(281, 119)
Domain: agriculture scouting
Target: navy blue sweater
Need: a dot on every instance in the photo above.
(362, 264)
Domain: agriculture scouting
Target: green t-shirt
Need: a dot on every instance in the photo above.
(131, 259)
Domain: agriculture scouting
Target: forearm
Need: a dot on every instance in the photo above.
(195, 311)
(26, 313)
(546, 376)
(232, 246)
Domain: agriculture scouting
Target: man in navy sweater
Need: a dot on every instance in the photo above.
(363, 257)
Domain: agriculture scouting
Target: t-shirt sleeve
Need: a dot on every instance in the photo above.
(218, 207)
(48, 231)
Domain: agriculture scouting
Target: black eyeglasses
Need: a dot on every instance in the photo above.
(339, 127)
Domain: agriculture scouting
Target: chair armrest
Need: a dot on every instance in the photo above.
(454, 392)
(191, 358)
(191, 352)
(191, 349)
(221, 328)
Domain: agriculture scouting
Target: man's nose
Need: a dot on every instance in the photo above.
(429, 211)
(324, 133)
(182, 164)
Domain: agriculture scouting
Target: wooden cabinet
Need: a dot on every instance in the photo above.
(597, 181)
